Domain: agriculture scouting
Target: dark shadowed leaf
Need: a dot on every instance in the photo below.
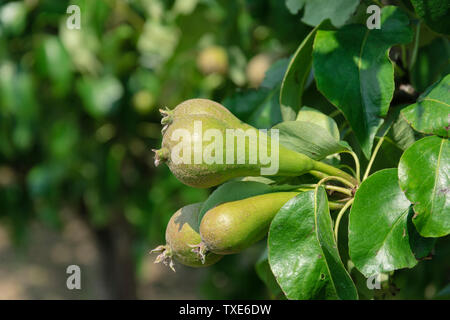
(435, 13)
(432, 63)
(259, 108)
(420, 246)
(262, 268)
(296, 75)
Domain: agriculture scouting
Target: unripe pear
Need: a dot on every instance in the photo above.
(199, 107)
(181, 237)
(234, 226)
(194, 169)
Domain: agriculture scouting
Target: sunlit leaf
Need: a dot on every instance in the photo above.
(353, 70)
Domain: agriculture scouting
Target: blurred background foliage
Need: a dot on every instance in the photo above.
(79, 117)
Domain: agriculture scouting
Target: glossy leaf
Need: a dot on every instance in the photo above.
(343, 284)
(431, 113)
(295, 77)
(423, 173)
(378, 226)
(338, 11)
(302, 252)
(353, 71)
(435, 13)
(309, 138)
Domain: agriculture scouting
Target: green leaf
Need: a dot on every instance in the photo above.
(353, 71)
(309, 138)
(338, 11)
(423, 173)
(302, 251)
(295, 77)
(378, 226)
(401, 134)
(431, 113)
(315, 116)
(435, 14)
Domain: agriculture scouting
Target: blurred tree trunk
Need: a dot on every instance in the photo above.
(115, 244)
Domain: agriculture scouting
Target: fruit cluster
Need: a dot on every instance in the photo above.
(229, 227)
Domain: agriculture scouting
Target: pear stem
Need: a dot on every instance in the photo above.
(322, 170)
(339, 217)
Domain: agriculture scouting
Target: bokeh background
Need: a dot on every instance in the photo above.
(79, 117)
